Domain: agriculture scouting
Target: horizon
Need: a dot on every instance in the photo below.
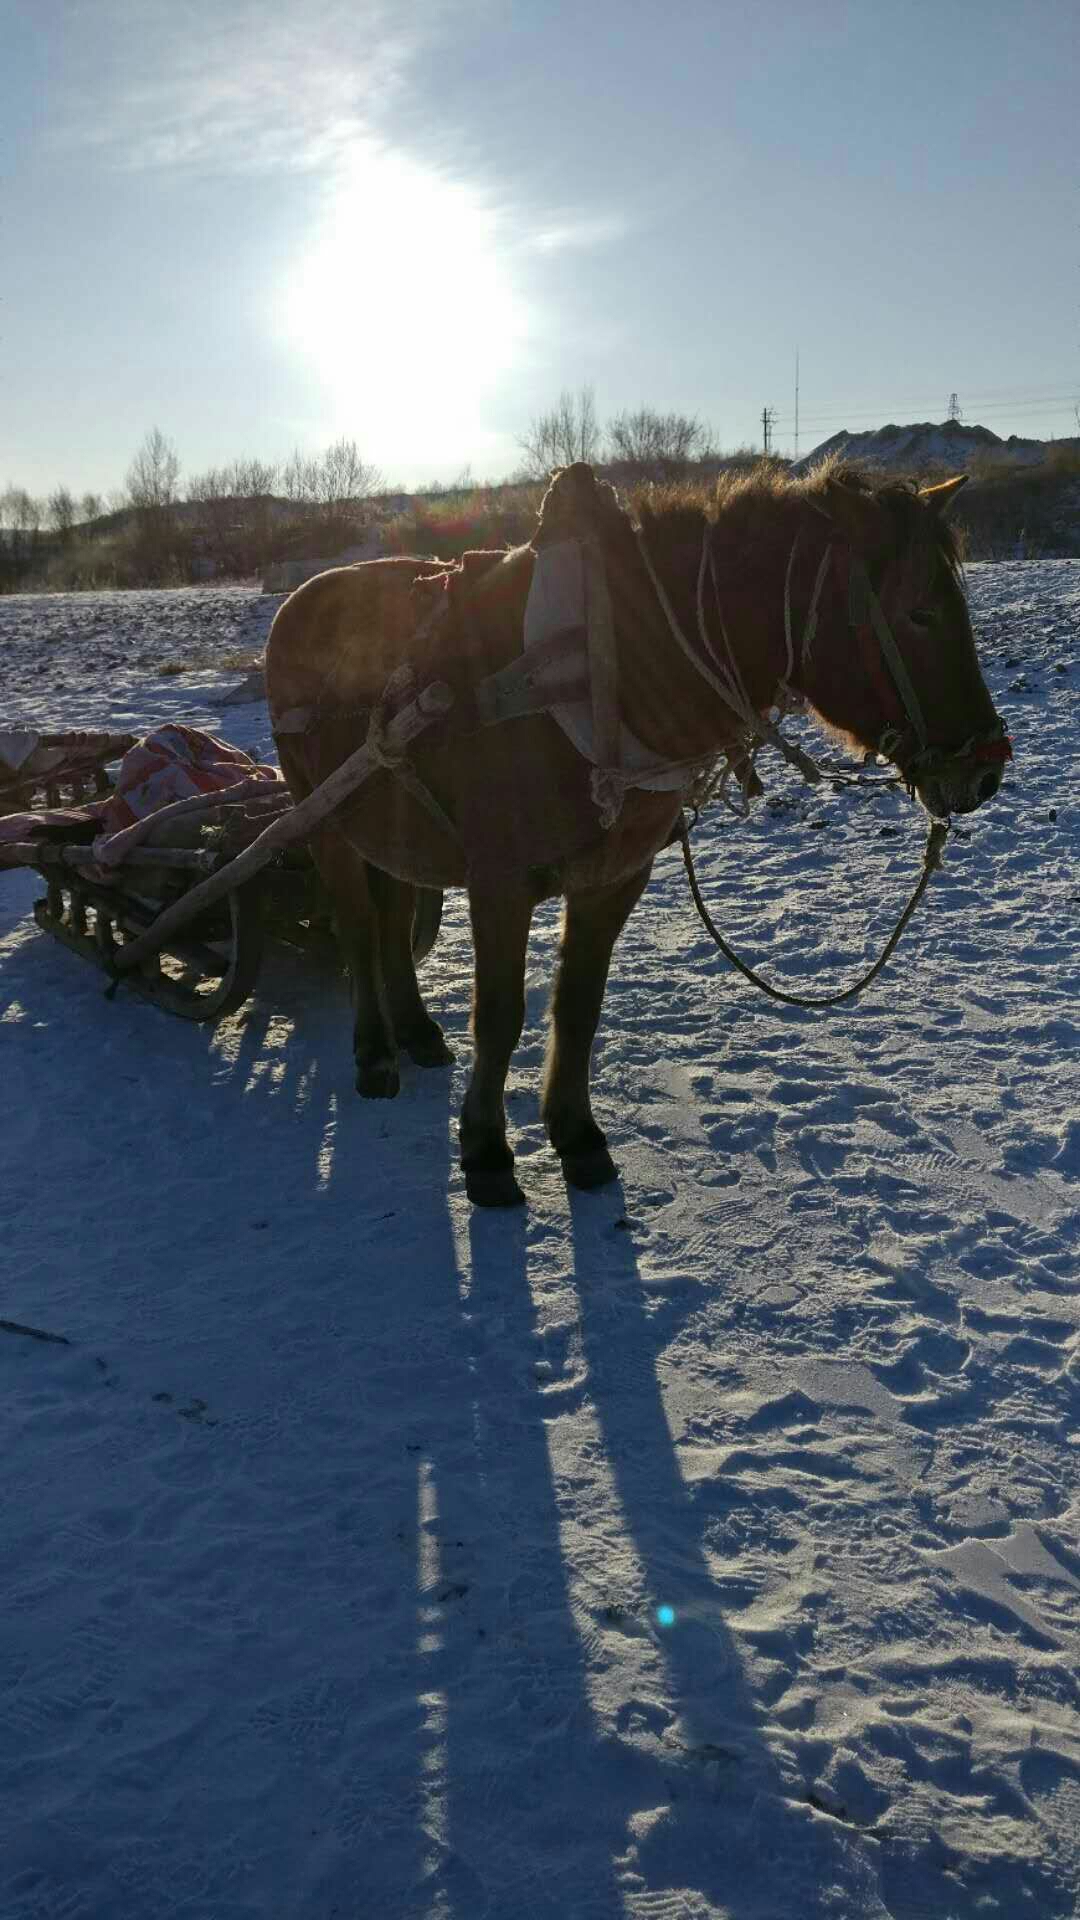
(263, 234)
(119, 503)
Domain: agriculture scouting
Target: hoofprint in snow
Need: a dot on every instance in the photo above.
(704, 1547)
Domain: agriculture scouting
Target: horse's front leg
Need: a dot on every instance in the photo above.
(500, 926)
(592, 923)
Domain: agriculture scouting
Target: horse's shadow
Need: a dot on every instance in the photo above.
(568, 1748)
(499, 1719)
(593, 1752)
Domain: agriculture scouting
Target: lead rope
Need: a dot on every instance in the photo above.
(935, 842)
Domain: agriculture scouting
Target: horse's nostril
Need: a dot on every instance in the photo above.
(988, 786)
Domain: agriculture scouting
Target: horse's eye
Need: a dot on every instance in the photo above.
(922, 617)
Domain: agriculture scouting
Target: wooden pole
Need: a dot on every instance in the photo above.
(118, 847)
(431, 703)
(42, 854)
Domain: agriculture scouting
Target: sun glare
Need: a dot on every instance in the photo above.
(405, 311)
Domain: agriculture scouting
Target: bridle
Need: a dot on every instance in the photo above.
(866, 617)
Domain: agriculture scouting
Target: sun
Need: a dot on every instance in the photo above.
(404, 308)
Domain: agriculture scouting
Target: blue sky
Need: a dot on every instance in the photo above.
(262, 226)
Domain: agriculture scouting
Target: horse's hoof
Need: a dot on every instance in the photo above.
(591, 1167)
(429, 1049)
(378, 1080)
(493, 1187)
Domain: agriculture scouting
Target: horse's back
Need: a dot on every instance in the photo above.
(338, 638)
(518, 795)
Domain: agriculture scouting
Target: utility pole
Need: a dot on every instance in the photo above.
(796, 403)
(954, 407)
(768, 415)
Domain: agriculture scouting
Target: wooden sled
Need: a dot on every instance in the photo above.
(197, 957)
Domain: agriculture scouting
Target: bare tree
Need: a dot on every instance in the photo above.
(22, 513)
(658, 443)
(154, 473)
(254, 479)
(254, 482)
(22, 510)
(152, 481)
(212, 493)
(90, 507)
(300, 479)
(569, 432)
(62, 513)
(343, 480)
(329, 488)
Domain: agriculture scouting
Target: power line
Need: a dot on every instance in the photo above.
(985, 406)
(983, 397)
(845, 416)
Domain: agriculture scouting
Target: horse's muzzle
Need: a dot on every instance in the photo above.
(943, 794)
(960, 782)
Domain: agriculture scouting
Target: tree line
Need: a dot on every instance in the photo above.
(234, 520)
(643, 444)
(227, 521)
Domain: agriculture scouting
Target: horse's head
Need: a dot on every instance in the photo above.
(914, 691)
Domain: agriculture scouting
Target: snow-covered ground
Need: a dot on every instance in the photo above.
(704, 1547)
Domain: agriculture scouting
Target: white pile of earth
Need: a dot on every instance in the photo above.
(927, 445)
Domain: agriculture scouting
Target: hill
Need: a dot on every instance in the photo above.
(929, 446)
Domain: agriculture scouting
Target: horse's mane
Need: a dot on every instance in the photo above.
(738, 497)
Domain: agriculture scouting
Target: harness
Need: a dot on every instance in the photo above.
(867, 620)
(866, 617)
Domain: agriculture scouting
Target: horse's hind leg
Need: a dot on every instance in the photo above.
(414, 1028)
(592, 923)
(500, 924)
(347, 878)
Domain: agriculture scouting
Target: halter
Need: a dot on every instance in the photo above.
(865, 617)
(719, 667)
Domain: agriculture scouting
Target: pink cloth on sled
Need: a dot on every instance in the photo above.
(174, 763)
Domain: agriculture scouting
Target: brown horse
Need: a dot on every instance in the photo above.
(827, 590)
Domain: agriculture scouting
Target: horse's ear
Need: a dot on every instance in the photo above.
(941, 497)
(857, 514)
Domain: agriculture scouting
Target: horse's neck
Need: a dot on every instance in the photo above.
(664, 698)
(738, 642)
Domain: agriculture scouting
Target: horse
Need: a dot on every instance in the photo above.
(833, 592)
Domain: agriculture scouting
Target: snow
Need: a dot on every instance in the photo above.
(340, 1525)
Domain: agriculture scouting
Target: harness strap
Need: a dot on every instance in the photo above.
(722, 683)
(603, 661)
(864, 606)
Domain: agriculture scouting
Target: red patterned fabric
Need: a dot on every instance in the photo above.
(173, 763)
